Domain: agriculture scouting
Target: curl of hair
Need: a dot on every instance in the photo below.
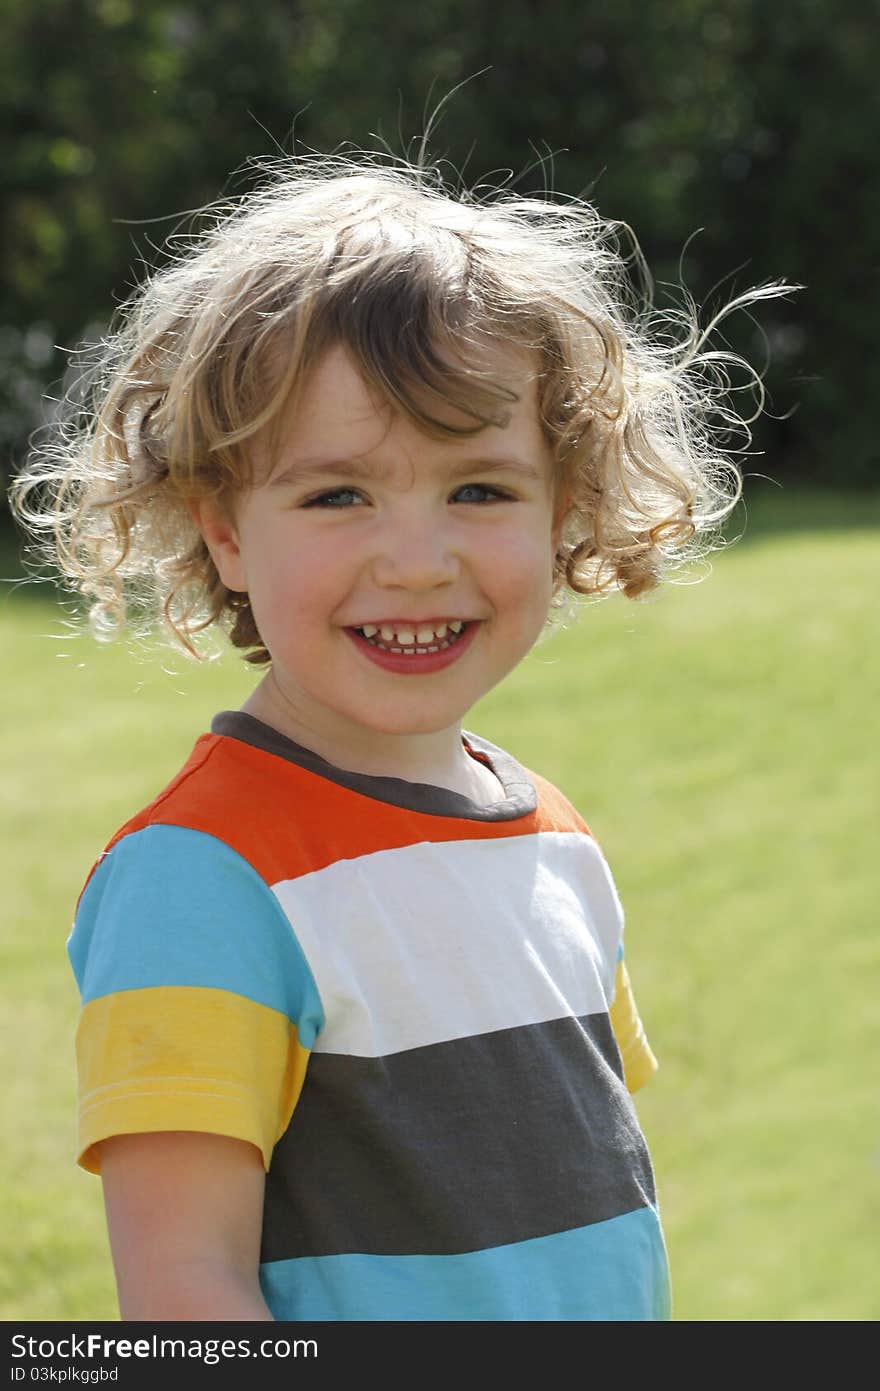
(413, 278)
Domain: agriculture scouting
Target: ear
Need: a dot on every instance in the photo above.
(220, 536)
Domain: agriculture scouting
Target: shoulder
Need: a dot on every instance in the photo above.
(220, 787)
(183, 893)
(555, 808)
(242, 798)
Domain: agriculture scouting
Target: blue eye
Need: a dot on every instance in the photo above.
(336, 497)
(479, 492)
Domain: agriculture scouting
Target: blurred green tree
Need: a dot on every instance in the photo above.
(757, 124)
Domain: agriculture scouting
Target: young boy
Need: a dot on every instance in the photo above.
(357, 1039)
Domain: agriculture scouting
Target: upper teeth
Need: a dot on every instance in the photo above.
(406, 637)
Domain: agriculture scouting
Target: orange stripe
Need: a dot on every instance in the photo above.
(240, 791)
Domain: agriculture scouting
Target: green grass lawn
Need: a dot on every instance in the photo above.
(721, 740)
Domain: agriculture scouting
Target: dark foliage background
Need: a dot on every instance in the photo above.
(757, 123)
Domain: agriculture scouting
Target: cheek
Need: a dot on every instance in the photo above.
(523, 576)
(297, 584)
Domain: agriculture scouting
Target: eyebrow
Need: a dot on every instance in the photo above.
(299, 469)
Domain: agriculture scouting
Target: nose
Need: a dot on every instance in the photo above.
(415, 551)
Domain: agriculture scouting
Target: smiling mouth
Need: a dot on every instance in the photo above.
(416, 641)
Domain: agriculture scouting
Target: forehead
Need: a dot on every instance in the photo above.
(338, 413)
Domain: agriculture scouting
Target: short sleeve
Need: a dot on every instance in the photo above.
(199, 1009)
(639, 1063)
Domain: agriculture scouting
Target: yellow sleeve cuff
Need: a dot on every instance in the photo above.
(639, 1063)
(185, 1058)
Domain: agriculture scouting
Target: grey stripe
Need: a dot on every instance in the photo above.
(458, 1146)
(520, 797)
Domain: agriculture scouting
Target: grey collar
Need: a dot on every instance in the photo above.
(519, 799)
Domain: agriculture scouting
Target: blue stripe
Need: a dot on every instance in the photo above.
(614, 1270)
(171, 906)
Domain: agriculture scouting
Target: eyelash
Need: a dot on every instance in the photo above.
(327, 499)
(495, 494)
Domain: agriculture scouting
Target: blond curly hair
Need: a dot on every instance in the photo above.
(409, 274)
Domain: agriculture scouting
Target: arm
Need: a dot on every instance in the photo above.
(184, 1213)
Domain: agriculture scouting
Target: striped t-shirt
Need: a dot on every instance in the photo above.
(415, 1006)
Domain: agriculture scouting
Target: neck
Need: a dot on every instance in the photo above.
(438, 758)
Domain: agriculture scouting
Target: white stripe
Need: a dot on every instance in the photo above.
(445, 940)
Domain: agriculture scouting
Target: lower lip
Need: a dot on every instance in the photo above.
(419, 665)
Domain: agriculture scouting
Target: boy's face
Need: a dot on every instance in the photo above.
(394, 578)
